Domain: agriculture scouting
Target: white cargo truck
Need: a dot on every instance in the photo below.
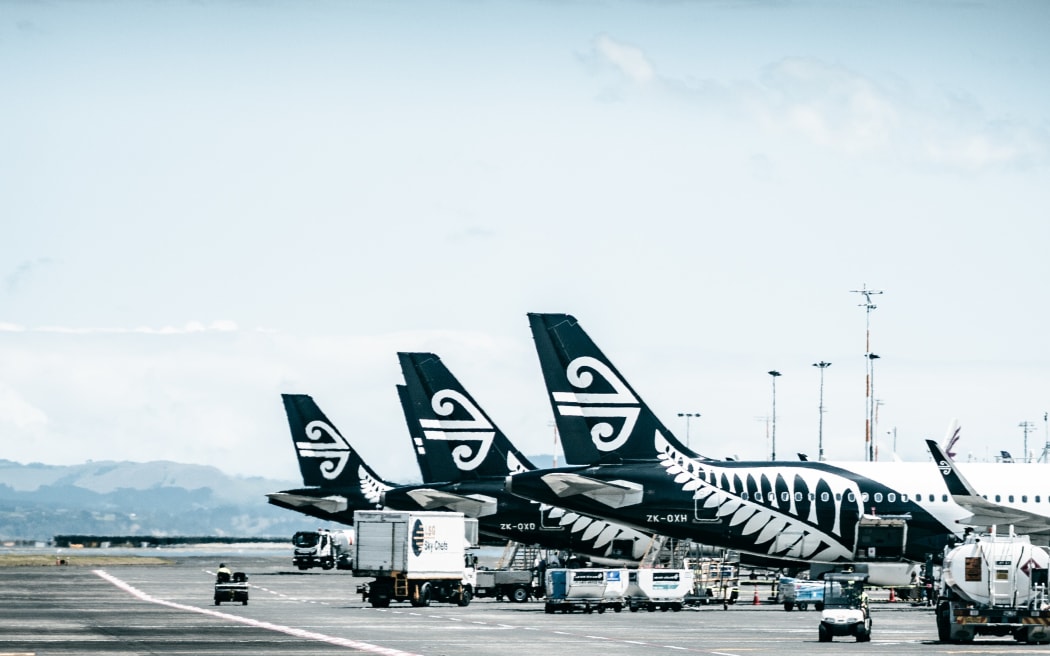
(587, 590)
(323, 548)
(417, 557)
(658, 589)
(993, 585)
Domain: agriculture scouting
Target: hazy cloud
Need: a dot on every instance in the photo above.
(627, 59)
(219, 326)
(17, 411)
(838, 108)
(17, 278)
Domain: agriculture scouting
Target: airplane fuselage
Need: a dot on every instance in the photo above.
(506, 516)
(806, 511)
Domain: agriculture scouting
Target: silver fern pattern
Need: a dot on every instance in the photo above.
(371, 487)
(781, 512)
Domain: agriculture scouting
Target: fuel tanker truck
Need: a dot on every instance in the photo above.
(994, 585)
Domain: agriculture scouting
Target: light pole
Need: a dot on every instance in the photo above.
(868, 373)
(688, 416)
(774, 374)
(820, 430)
(869, 436)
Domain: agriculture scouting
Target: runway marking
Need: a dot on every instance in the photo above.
(269, 626)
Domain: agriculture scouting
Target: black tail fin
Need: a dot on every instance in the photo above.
(326, 459)
(454, 436)
(599, 416)
(415, 431)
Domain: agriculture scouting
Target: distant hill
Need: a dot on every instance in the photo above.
(129, 498)
(158, 498)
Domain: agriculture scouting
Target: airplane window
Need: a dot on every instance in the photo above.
(784, 496)
(998, 498)
(850, 497)
(932, 498)
(812, 496)
(838, 496)
(772, 497)
(1037, 498)
(744, 496)
(864, 497)
(824, 496)
(944, 497)
(798, 496)
(1011, 498)
(1024, 498)
(878, 497)
(891, 497)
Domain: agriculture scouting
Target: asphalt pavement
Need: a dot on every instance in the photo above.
(169, 609)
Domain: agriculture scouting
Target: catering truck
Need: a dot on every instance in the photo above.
(992, 585)
(417, 557)
(322, 548)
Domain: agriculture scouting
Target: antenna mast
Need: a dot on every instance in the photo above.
(869, 406)
(1026, 426)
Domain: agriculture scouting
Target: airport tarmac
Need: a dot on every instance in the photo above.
(168, 609)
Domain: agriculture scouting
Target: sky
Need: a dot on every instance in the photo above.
(207, 204)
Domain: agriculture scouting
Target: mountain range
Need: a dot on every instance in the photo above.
(160, 499)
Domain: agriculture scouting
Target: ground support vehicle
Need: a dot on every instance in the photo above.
(417, 557)
(323, 548)
(715, 580)
(994, 586)
(845, 608)
(800, 593)
(513, 584)
(231, 588)
(586, 590)
(658, 589)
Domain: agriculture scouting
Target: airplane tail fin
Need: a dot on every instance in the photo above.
(452, 436)
(600, 418)
(325, 457)
(952, 438)
(957, 484)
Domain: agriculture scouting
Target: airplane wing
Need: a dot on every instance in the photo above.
(330, 504)
(615, 494)
(985, 512)
(474, 505)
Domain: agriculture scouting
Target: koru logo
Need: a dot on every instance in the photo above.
(474, 431)
(619, 404)
(418, 537)
(333, 453)
(944, 467)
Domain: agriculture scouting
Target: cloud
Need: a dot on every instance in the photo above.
(23, 272)
(829, 104)
(17, 411)
(629, 60)
(843, 110)
(191, 327)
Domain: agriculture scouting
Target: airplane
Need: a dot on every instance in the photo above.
(465, 459)
(338, 480)
(628, 468)
(1018, 509)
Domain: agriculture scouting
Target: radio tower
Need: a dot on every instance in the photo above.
(1045, 457)
(1027, 427)
(869, 405)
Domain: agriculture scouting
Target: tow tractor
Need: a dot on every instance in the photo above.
(845, 607)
